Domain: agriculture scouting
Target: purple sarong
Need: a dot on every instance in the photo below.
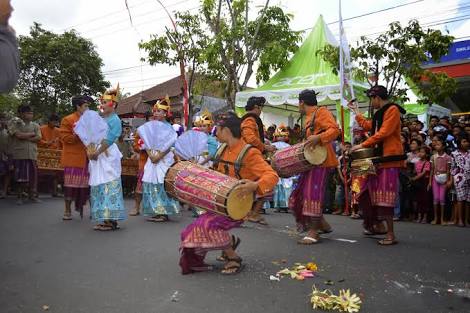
(208, 232)
(306, 201)
(76, 186)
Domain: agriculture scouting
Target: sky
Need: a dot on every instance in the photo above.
(106, 23)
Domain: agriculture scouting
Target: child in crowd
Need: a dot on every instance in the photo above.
(460, 170)
(439, 179)
(420, 181)
(342, 169)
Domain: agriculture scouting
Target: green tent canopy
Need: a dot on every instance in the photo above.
(305, 70)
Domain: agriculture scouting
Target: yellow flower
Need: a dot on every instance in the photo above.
(312, 267)
(347, 302)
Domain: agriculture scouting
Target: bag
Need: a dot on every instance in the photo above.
(441, 179)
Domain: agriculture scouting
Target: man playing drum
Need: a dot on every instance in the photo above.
(306, 201)
(379, 198)
(253, 133)
(210, 230)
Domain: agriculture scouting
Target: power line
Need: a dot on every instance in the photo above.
(126, 20)
(105, 15)
(126, 28)
(370, 13)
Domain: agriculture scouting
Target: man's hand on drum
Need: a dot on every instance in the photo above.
(314, 139)
(247, 187)
(356, 147)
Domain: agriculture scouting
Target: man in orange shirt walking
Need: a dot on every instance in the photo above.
(253, 133)
(381, 191)
(74, 160)
(306, 201)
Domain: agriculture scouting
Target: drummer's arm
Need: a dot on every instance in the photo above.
(390, 123)
(365, 123)
(258, 167)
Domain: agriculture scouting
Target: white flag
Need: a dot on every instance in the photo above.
(345, 68)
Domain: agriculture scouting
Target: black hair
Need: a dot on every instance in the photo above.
(434, 116)
(347, 143)
(53, 118)
(232, 122)
(418, 142)
(378, 91)
(308, 96)
(81, 99)
(254, 101)
(427, 150)
(460, 138)
(24, 108)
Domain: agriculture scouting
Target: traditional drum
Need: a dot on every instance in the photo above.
(298, 158)
(207, 189)
(363, 161)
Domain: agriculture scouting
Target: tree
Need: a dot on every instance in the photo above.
(396, 57)
(9, 103)
(55, 67)
(223, 43)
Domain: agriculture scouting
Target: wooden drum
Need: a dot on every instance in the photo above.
(298, 158)
(207, 189)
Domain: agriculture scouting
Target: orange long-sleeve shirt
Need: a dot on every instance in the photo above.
(49, 134)
(74, 151)
(326, 126)
(388, 134)
(250, 133)
(254, 167)
(143, 156)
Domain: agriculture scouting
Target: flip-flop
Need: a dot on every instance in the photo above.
(66, 218)
(238, 268)
(101, 227)
(134, 213)
(387, 242)
(160, 219)
(307, 241)
(322, 231)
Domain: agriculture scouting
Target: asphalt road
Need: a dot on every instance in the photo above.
(68, 267)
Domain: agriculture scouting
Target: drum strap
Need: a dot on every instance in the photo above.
(238, 162)
(311, 127)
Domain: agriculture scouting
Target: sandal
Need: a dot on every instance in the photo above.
(235, 267)
(67, 217)
(159, 219)
(307, 241)
(235, 243)
(387, 242)
(259, 220)
(103, 227)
